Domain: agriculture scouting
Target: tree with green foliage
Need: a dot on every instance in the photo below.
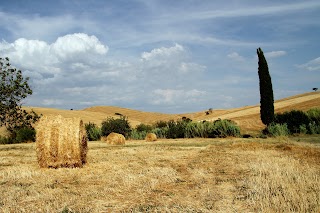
(120, 125)
(266, 91)
(13, 89)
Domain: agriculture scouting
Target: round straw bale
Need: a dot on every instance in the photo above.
(61, 142)
(104, 138)
(115, 139)
(151, 137)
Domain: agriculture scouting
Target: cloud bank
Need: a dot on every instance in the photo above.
(75, 71)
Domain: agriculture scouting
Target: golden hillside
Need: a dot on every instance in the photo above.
(247, 117)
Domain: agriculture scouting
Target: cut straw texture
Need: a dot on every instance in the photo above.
(151, 137)
(115, 139)
(61, 142)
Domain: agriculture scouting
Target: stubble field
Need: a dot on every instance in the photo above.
(184, 175)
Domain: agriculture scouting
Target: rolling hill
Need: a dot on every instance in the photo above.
(248, 118)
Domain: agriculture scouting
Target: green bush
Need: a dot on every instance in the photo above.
(160, 124)
(276, 129)
(119, 125)
(140, 132)
(294, 119)
(185, 128)
(161, 132)
(303, 129)
(200, 129)
(314, 115)
(93, 132)
(176, 129)
(6, 140)
(194, 130)
(144, 128)
(25, 134)
(313, 128)
(225, 128)
(138, 135)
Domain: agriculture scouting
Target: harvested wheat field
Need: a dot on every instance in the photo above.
(185, 175)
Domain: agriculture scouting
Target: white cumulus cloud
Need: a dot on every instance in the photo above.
(77, 45)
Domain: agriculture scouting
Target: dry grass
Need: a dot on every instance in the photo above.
(190, 175)
(61, 142)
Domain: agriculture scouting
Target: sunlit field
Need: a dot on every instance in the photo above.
(183, 175)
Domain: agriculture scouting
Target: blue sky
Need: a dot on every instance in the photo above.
(163, 56)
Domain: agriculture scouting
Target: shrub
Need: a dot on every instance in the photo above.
(144, 128)
(294, 119)
(314, 115)
(303, 129)
(200, 129)
(194, 130)
(161, 132)
(6, 140)
(25, 134)
(275, 130)
(160, 124)
(93, 131)
(225, 128)
(185, 128)
(137, 135)
(176, 129)
(119, 125)
(184, 118)
(313, 128)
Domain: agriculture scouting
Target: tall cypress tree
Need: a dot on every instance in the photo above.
(266, 91)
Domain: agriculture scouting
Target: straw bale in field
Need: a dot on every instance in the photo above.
(61, 142)
(151, 137)
(115, 139)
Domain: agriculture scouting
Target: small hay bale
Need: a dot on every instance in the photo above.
(115, 139)
(151, 137)
(61, 142)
